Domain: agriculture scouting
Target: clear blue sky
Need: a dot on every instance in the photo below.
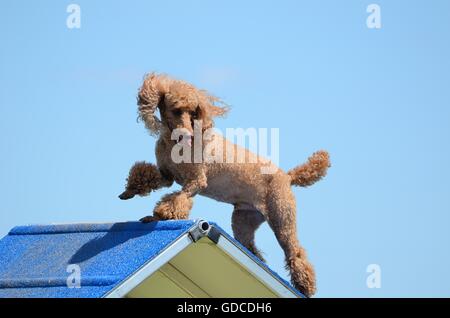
(377, 100)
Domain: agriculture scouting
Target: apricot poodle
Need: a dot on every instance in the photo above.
(257, 196)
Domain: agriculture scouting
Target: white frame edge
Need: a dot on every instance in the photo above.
(224, 243)
(150, 267)
(256, 269)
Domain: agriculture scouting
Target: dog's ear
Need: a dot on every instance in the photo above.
(217, 111)
(213, 108)
(210, 108)
(150, 97)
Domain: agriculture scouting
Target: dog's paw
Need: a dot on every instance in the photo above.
(165, 209)
(258, 254)
(126, 195)
(175, 206)
(148, 219)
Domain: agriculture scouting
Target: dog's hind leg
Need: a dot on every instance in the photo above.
(281, 212)
(245, 222)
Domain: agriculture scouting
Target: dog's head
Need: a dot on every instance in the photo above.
(180, 105)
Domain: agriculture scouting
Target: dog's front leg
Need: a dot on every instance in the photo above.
(144, 178)
(177, 205)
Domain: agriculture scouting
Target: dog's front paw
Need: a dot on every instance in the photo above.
(126, 195)
(175, 206)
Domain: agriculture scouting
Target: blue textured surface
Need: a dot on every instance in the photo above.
(34, 259)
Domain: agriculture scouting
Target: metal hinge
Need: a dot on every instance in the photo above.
(202, 229)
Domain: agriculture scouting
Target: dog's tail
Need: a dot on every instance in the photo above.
(312, 171)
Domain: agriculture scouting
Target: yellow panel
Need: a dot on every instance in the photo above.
(181, 280)
(202, 270)
(217, 273)
(158, 286)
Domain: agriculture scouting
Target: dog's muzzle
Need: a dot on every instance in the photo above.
(185, 139)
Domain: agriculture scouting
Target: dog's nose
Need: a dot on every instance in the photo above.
(126, 195)
(186, 139)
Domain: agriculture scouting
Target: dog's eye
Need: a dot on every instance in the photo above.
(195, 114)
(177, 112)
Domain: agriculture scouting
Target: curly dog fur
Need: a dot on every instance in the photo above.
(256, 197)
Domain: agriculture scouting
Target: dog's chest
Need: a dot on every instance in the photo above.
(180, 172)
